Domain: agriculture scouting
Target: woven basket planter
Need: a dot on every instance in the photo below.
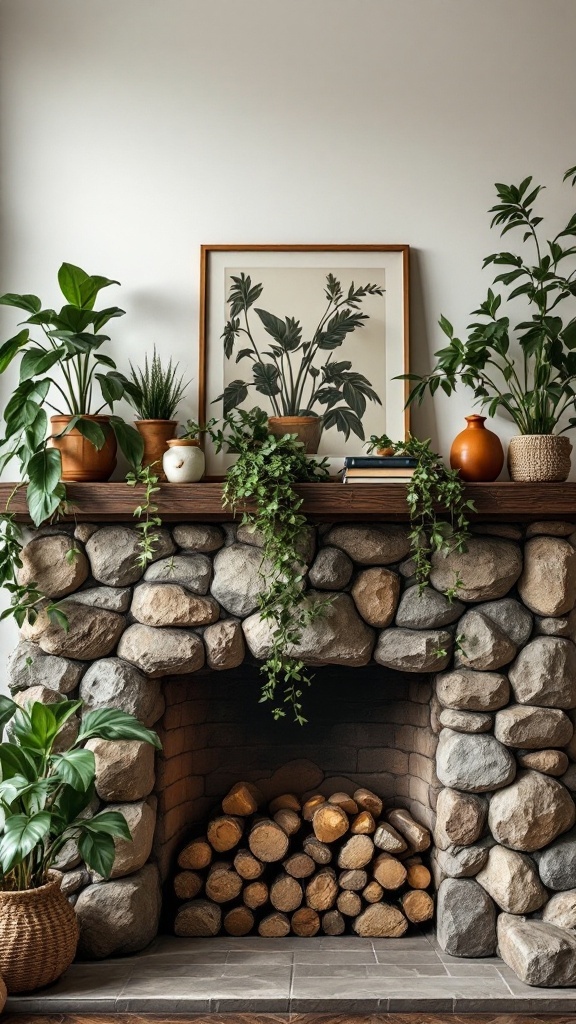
(38, 936)
(539, 457)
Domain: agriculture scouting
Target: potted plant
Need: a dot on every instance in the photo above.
(527, 370)
(155, 393)
(184, 461)
(66, 367)
(308, 392)
(44, 803)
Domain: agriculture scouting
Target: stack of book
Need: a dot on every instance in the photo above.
(378, 469)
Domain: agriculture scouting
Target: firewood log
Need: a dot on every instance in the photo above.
(319, 852)
(299, 865)
(225, 832)
(415, 834)
(305, 922)
(187, 884)
(311, 805)
(380, 920)
(349, 904)
(353, 879)
(243, 799)
(255, 895)
(196, 855)
(363, 824)
(329, 823)
(368, 801)
(333, 923)
(223, 883)
(322, 890)
(373, 892)
(418, 906)
(238, 921)
(389, 871)
(198, 917)
(287, 802)
(344, 801)
(419, 876)
(356, 852)
(387, 838)
(288, 820)
(275, 926)
(247, 865)
(267, 841)
(285, 893)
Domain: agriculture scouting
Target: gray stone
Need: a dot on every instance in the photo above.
(467, 690)
(465, 721)
(336, 637)
(550, 762)
(506, 530)
(73, 881)
(131, 855)
(54, 563)
(240, 577)
(557, 864)
(332, 570)
(460, 818)
(371, 545)
(224, 643)
(113, 599)
(113, 552)
(202, 537)
(230, 531)
(119, 917)
(414, 650)
(83, 531)
(565, 626)
(305, 543)
(488, 569)
(553, 528)
(92, 632)
(521, 725)
(545, 673)
(124, 769)
(161, 652)
(191, 571)
(482, 644)
(548, 583)
(511, 879)
(169, 604)
(29, 666)
(568, 778)
(530, 813)
(475, 764)
(561, 910)
(112, 683)
(375, 593)
(426, 609)
(539, 953)
(463, 861)
(466, 919)
(68, 856)
(511, 617)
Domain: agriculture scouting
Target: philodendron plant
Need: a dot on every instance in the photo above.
(45, 795)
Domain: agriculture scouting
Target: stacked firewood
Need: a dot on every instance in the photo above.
(324, 864)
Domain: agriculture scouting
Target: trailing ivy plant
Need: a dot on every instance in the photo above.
(433, 491)
(149, 522)
(263, 476)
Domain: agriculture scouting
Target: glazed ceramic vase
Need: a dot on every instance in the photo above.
(80, 459)
(307, 428)
(184, 461)
(477, 452)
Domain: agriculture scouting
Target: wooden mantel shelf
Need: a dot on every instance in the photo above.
(328, 502)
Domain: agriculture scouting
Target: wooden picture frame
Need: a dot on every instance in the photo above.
(299, 270)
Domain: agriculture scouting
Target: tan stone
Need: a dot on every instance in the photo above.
(530, 813)
(198, 537)
(160, 652)
(544, 673)
(522, 725)
(540, 953)
(561, 910)
(548, 583)
(37, 694)
(488, 569)
(92, 632)
(512, 881)
(414, 650)
(169, 604)
(124, 769)
(549, 762)
(141, 820)
(224, 643)
(460, 818)
(376, 592)
(371, 545)
(55, 564)
(553, 528)
(468, 690)
(482, 645)
(465, 721)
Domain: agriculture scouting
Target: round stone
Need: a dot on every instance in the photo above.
(202, 537)
(240, 577)
(475, 764)
(462, 861)
(29, 666)
(332, 570)
(460, 818)
(375, 593)
(466, 919)
(113, 552)
(371, 545)
(169, 604)
(482, 644)
(548, 583)
(119, 917)
(131, 855)
(522, 725)
(113, 683)
(530, 813)
(465, 721)
(124, 769)
(414, 650)
(467, 690)
(539, 953)
(545, 673)
(224, 643)
(488, 569)
(549, 762)
(512, 881)
(92, 632)
(511, 617)
(191, 571)
(161, 652)
(557, 864)
(561, 910)
(426, 609)
(54, 563)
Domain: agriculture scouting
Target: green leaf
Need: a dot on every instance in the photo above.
(44, 493)
(98, 852)
(102, 318)
(111, 724)
(89, 289)
(21, 835)
(14, 761)
(70, 803)
(92, 431)
(71, 279)
(36, 361)
(266, 378)
(129, 440)
(8, 709)
(234, 394)
(31, 303)
(77, 768)
(11, 348)
(24, 406)
(343, 322)
(288, 333)
(345, 420)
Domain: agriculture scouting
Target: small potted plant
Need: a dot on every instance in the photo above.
(308, 391)
(44, 801)
(184, 462)
(155, 392)
(528, 371)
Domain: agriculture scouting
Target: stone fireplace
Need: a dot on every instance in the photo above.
(460, 710)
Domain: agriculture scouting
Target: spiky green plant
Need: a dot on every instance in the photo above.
(155, 391)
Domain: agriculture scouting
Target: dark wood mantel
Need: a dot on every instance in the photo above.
(328, 502)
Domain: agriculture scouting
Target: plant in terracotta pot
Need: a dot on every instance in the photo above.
(45, 798)
(308, 391)
(155, 392)
(64, 369)
(527, 370)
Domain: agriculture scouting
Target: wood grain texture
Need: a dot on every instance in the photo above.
(291, 1018)
(330, 502)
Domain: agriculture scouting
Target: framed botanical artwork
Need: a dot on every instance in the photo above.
(306, 330)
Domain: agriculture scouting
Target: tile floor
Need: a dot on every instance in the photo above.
(345, 974)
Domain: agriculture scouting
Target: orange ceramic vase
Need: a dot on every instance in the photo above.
(477, 452)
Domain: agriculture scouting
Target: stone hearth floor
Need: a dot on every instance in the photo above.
(343, 975)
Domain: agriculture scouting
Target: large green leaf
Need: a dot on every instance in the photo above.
(24, 406)
(110, 823)
(15, 761)
(345, 420)
(342, 323)
(8, 709)
(98, 852)
(234, 394)
(90, 288)
(36, 361)
(35, 727)
(44, 492)
(288, 333)
(76, 767)
(31, 303)
(71, 279)
(111, 724)
(112, 385)
(104, 315)
(11, 348)
(266, 378)
(92, 431)
(129, 440)
(21, 835)
(71, 803)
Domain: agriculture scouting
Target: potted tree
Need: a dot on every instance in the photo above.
(45, 796)
(527, 370)
(308, 391)
(155, 393)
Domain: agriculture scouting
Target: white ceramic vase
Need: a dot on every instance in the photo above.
(183, 462)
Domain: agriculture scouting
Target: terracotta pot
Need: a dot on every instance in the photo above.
(80, 459)
(155, 434)
(477, 452)
(307, 428)
(39, 933)
(539, 458)
(184, 461)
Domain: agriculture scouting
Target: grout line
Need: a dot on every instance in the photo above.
(500, 975)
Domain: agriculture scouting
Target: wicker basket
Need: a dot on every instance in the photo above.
(38, 936)
(539, 457)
